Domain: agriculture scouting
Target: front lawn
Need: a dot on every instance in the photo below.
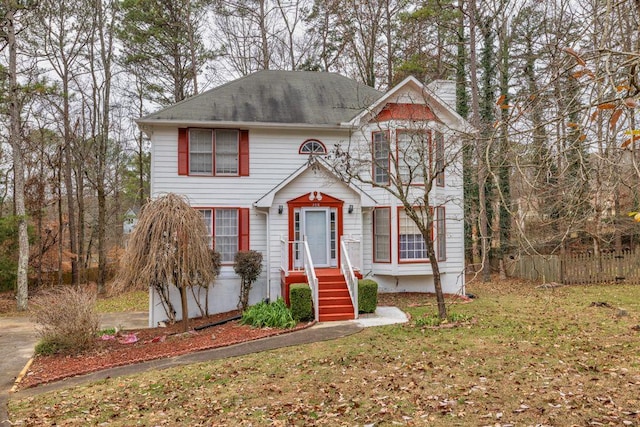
(560, 356)
(129, 301)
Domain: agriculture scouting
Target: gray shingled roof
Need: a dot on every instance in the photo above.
(296, 97)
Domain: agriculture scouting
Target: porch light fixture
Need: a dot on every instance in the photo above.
(280, 209)
(350, 210)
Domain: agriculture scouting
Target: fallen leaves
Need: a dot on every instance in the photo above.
(535, 357)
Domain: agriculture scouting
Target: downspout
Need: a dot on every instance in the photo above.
(266, 218)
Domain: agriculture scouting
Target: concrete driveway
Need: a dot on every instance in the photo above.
(17, 340)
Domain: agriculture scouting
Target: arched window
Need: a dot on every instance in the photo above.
(312, 146)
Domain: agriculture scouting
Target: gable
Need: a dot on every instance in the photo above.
(315, 173)
(404, 111)
(411, 100)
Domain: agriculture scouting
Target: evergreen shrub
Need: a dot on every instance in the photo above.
(301, 302)
(367, 296)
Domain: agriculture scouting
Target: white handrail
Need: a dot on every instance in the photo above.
(349, 276)
(310, 272)
(284, 256)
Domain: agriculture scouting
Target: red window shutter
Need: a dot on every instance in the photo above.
(244, 153)
(183, 152)
(243, 231)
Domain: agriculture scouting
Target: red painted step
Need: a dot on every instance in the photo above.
(328, 293)
(334, 300)
(336, 317)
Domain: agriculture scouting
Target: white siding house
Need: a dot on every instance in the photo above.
(254, 156)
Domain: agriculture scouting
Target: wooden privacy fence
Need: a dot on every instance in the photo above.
(578, 269)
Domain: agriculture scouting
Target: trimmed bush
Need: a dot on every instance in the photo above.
(247, 265)
(269, 315)
(367, 296)
(301, 302)
(66, 318)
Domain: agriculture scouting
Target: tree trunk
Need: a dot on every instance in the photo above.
(68, 180)
(475, 121)
(104, 31)
(192, 49)
(264, 36)
(102, 247)
(60, 218)
(185, 308)
(141, 166)
(435, 268)
(18, 167)
(83, 256)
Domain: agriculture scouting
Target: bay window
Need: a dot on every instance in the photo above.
(411, 245)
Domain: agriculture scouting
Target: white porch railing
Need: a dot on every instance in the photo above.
(354, 251)
(284, 256)
(310, 272)
(348, 273)
(307, 265)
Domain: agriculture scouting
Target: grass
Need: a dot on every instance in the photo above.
(130, 301)
(529, 357)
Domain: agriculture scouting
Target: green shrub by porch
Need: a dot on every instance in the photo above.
(367, 296)
(301, 302)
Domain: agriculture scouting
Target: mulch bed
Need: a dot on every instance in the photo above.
(151, 344)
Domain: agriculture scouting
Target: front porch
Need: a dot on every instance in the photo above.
(334, 299)
(334, 290)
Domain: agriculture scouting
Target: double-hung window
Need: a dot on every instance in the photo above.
(200, 152)
(213, 152)
(412, 155)
(441, 237)
(382, 235)
(226, 158)
(227, 230)
(439, 166)
(381, 151)
(207, 218)
(411, 245)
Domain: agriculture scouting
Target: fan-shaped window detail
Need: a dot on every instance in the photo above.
(312, 146)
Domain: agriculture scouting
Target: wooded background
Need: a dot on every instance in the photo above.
(551, 86)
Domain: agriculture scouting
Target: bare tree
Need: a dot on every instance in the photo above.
(60, 38)
(294, 48)
(12, 13)
(362, 25)
(168, 248)
(248, 33)
(409, 163)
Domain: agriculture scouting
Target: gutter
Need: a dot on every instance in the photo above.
(245, 125)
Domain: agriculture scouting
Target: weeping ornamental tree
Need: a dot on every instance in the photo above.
(168, 247)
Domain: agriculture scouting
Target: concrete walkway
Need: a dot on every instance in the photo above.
(18, 338)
